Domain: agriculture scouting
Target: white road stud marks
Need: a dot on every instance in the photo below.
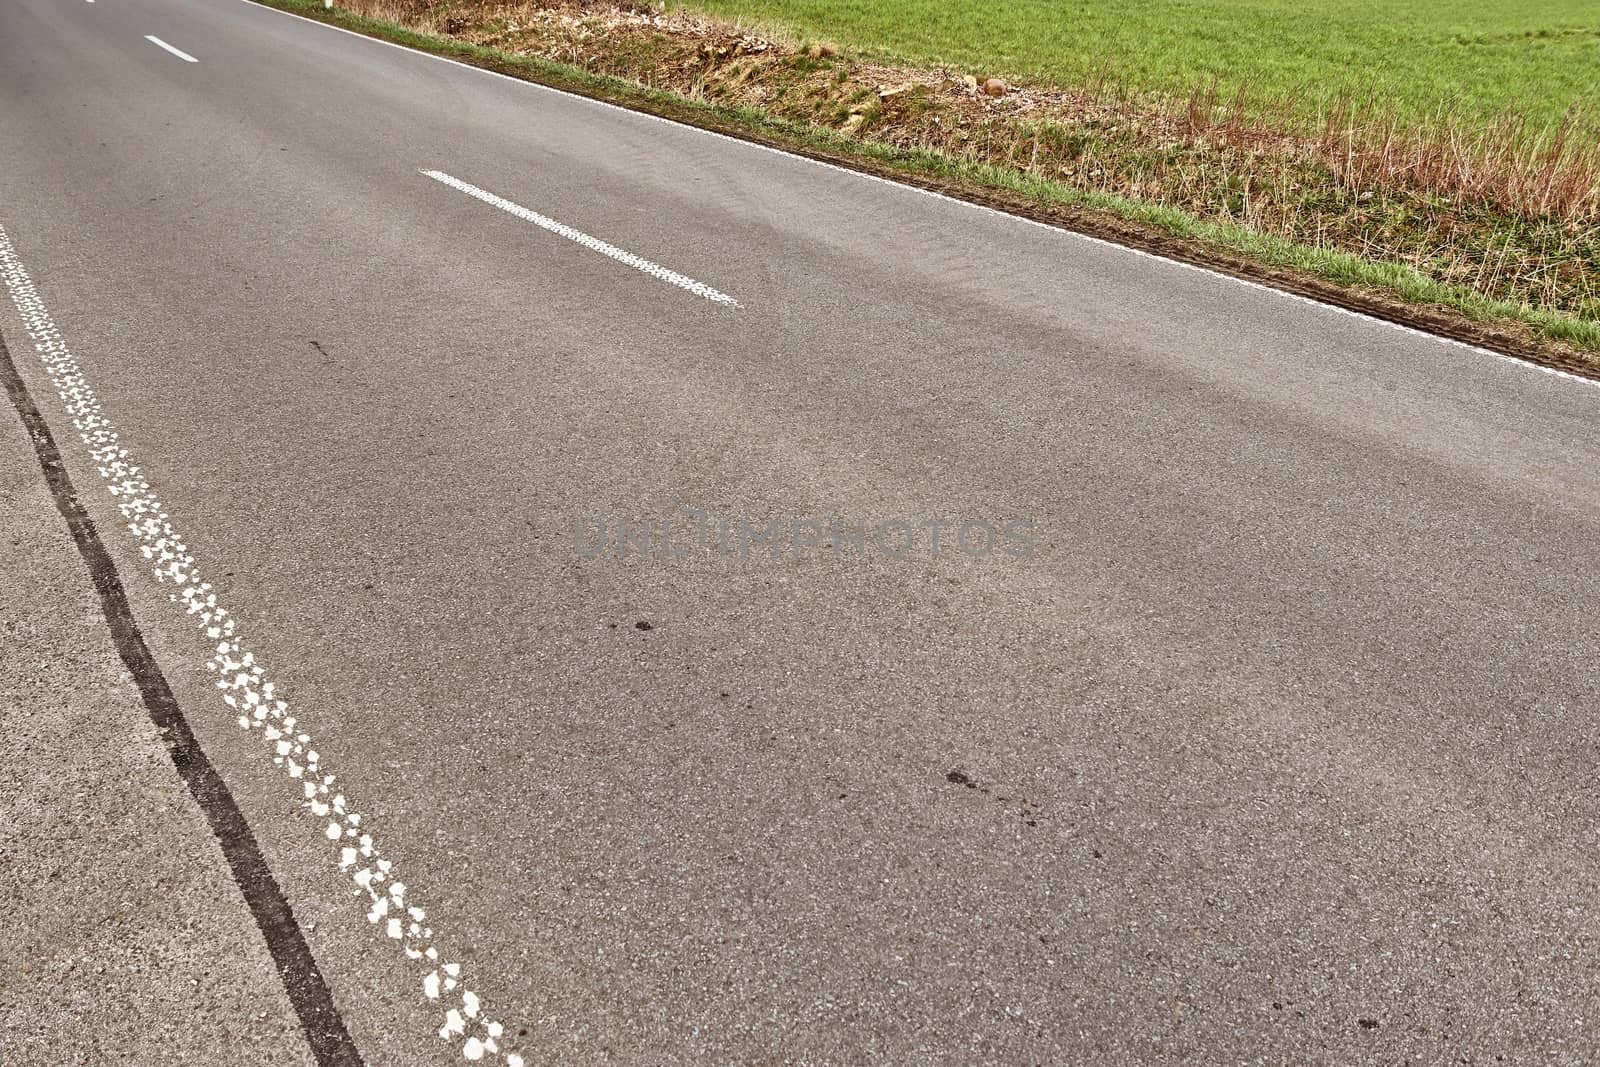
(594, 243)
(159, 43)
(244, 687)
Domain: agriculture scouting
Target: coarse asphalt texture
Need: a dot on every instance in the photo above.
(1269, 738)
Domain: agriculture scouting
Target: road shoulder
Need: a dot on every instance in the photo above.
(133, 944)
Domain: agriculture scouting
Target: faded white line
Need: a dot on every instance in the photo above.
(560, 229)
(250, 697)
(159, 43)
(1070, 234)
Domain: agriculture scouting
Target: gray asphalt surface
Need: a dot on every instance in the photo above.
(1279, 747)
(126, 941)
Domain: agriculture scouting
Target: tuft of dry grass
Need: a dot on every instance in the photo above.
(1508, 164)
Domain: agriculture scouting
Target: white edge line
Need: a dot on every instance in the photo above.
(621, 255)
(159, 43)
(1592, 383)
(245, 688)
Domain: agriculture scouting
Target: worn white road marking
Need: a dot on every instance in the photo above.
(560, 229)
(243, 686)
(159, 43)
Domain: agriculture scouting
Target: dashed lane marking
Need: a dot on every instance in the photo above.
(544, 222)
(159, 43)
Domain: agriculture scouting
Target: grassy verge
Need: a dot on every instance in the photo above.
(1485, 57)
(1209, 182)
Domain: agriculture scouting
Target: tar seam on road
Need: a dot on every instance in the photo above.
(244, 687)
(309, 994)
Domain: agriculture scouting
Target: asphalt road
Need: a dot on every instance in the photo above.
(1242, 712)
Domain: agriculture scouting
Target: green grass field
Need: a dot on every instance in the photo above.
(1480, 56)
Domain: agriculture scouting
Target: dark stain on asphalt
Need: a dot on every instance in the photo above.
(1027, 811)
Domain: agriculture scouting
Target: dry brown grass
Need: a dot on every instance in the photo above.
(1507, 164)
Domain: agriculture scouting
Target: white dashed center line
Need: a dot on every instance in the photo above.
(247, 694)
(159, 43)
(620, 255)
